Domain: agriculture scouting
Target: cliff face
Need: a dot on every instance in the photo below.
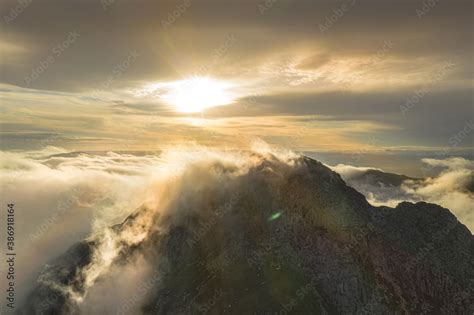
(283, 239)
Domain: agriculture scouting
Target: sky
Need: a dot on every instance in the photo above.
(326, 76)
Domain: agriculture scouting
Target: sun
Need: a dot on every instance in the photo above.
(194, 94)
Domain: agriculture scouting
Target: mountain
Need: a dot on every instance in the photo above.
(376, 177)
(279, 238)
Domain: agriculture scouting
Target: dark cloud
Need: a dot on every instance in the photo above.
(108, 35)
(433, 120)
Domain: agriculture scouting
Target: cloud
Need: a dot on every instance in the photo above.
(32, 119)
(452, 188)
(60, 199)
(164, 53)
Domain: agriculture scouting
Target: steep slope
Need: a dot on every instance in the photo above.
(285, 238)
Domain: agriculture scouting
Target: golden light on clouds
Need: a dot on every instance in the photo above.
(219, 70)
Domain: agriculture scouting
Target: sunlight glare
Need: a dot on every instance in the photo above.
(194, 94)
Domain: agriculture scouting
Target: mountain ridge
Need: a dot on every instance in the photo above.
(284, 239)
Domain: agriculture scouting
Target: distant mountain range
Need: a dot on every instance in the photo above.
(281, 238)
(380, 178)
(377, 178)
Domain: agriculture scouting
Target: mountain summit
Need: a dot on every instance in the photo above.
(279, 237)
